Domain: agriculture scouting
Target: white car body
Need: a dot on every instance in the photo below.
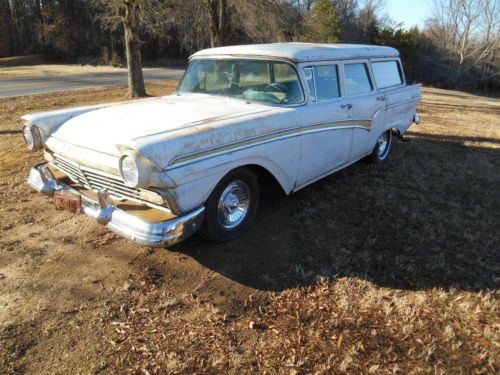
(191, 141)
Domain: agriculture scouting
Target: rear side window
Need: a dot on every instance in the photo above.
(357, 79)
(323, 82)
(387, 74)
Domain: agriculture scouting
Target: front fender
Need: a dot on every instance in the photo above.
(196, 181)
(48, 122)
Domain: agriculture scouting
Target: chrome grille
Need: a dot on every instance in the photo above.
(115, 186)
(71, 170)
(96, 181)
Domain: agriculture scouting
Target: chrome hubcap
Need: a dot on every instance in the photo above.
(383, 145)
(233, 204)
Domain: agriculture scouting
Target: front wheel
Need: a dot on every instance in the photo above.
(232, 206)
(382, 148)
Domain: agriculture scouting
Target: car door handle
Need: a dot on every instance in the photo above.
(381, 98)
(348, 106)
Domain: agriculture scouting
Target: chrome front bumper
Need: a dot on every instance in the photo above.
(158, 234)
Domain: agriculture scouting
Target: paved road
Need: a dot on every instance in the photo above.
(52, 83)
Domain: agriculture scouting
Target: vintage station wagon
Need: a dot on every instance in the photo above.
(160, 169)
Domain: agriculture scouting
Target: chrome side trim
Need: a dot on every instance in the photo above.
(258, 140)
(157, 234)
(267, 138)
(395, 105)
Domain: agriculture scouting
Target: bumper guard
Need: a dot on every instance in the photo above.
(157, 234)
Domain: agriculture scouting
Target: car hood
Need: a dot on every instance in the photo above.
(103, 129)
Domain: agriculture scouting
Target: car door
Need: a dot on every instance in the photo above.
(364, 103)
(326, 134)
(400, 101)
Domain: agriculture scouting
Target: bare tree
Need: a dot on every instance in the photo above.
(135, 16)
(199, 24)
(371, 18)
(468, 33)
(268, 20)
(6, 28)
(218, 13)
(191, 24)
(303, 6)
(133, 43)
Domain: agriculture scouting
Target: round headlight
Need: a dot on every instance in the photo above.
(32, 137)
(129, 171)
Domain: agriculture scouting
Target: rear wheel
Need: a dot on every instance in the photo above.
(232, 206)
(382, 148)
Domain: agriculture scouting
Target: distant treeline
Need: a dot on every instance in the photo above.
(459, 48)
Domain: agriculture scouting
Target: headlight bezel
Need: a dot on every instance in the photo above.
(142, 172)
(35, 143)
(126, 175)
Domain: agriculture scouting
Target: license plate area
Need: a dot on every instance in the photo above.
(66, 200)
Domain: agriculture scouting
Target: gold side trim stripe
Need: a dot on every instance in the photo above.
(266, 138)
(287, 133)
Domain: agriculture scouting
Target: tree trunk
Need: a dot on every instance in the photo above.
(6, 38)
(39, 24)
(217, 10)
(133, 50)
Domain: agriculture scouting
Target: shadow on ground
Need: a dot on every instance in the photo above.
(427, 219)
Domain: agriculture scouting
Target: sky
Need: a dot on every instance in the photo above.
(411, 12)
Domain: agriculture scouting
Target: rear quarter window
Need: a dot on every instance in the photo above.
(387, 74)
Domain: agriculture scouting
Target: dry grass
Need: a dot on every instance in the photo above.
(347, 325)
(372, 270)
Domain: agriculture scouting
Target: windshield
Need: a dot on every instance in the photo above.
(256, 80)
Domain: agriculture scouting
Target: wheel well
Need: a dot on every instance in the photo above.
(266, 179)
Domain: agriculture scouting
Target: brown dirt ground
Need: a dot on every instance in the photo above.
(24, 60)
(392, 269)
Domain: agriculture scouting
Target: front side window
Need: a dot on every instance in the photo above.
(323, 82)
(327, 82)
(387, 74)
(256, 80)
(357, 79)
